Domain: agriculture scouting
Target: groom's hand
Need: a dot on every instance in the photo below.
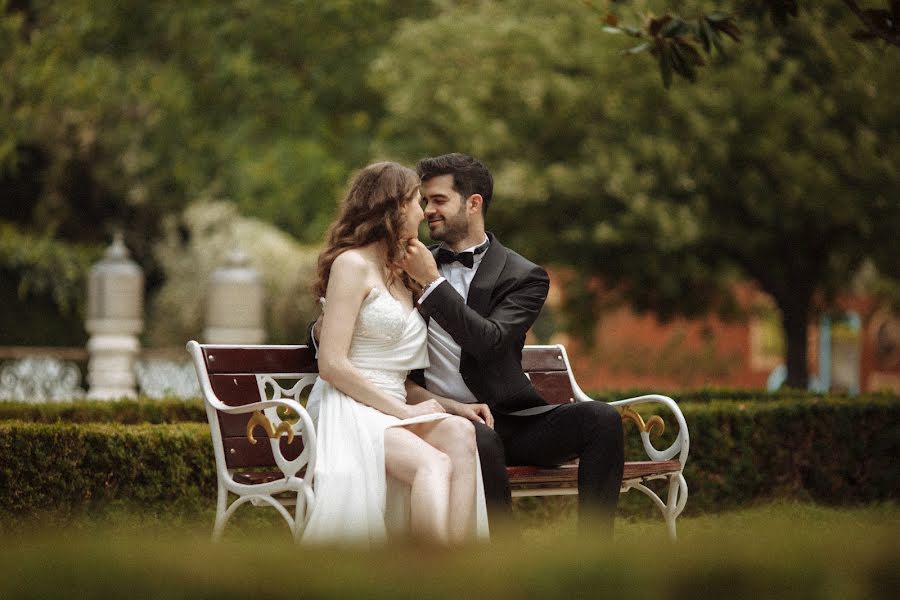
(473, 412)
(479, 412)
(419, 263)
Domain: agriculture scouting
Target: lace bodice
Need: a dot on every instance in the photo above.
(388, 340)
(381, 316)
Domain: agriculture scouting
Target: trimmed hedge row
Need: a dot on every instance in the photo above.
(177, 410)
(836, 451)
(125, 411)
(718, 394)
(67, 468)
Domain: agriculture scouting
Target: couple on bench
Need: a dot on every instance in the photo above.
(421, 400)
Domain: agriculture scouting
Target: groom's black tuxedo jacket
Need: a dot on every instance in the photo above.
(505, 298)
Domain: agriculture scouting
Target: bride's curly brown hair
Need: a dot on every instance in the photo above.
(373, 210)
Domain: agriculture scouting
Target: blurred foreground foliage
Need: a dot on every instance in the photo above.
(774, 551)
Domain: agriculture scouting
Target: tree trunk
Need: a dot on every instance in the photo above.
(795, 323)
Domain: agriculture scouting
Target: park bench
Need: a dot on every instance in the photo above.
(264, 440)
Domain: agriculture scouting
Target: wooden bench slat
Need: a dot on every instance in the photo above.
(240, 453)
(257, 477)
(522, 476)
(646, 468)
(235, 389)
(269, 359)
(553, 386)
(568, 474)
(542, 359)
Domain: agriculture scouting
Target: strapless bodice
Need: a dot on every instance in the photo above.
(388, 339)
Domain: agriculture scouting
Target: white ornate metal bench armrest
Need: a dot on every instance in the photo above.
(296, 472)
(662, 465)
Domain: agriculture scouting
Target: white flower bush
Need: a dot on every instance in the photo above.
(197, 243)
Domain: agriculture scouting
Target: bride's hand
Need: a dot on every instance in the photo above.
(419, 263)
(426, 407)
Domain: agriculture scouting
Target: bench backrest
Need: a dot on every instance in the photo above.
(233, 375)
(548, 369)
(232, 372)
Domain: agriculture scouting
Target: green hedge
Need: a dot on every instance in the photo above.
(712, 394)
(827, 450)
(125, 411)
(65, 468)
(177, 410)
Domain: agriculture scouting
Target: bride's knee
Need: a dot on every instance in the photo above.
(436, 463)
(459, 434)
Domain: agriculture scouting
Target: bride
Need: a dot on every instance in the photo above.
(383, 465)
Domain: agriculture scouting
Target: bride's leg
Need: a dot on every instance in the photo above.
(427, 470)
(455, 437)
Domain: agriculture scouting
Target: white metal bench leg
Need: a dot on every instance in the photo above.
(221, 507)
(675, 502)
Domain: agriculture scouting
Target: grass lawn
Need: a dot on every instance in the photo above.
(775, 550)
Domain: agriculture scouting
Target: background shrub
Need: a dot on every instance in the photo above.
(831, 450)
(69, 468)
(125, 411)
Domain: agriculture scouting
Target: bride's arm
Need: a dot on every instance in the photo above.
(416, 394)
(347, 288)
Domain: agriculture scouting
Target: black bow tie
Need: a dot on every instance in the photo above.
(445, 257)
(466, 259)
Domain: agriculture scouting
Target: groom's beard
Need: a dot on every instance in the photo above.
(451, 228)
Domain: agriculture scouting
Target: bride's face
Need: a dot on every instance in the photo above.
(413, 215)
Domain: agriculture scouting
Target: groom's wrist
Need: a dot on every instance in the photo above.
(429, 287)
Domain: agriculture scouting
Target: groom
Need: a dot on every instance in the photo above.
(480, 299)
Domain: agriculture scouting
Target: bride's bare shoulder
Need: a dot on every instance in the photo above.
(355, 262)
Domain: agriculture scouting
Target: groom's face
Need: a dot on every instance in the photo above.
(445, 210)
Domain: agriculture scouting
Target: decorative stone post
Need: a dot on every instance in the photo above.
(114, 320)
(235, 308)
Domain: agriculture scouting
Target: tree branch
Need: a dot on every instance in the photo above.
(872, 28)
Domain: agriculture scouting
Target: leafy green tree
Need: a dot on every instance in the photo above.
(781, 166)
(114, 115)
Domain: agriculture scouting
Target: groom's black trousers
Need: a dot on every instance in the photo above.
(589, 431)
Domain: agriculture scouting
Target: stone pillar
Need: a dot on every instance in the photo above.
(235, 303)
(114, 320)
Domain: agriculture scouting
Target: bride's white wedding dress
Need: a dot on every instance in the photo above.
(354, 499)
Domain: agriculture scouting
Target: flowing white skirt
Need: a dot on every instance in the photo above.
(355, 501)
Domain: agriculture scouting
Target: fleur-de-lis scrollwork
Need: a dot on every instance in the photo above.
(286, 414)
(654, 422)
(260, 419)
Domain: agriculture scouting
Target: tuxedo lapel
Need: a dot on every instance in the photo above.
(486, 277)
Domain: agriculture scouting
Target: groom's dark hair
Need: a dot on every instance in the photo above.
(470, 176)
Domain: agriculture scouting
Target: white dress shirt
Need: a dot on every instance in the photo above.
(442, 377)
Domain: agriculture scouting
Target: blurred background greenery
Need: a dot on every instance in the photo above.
(193, 126)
